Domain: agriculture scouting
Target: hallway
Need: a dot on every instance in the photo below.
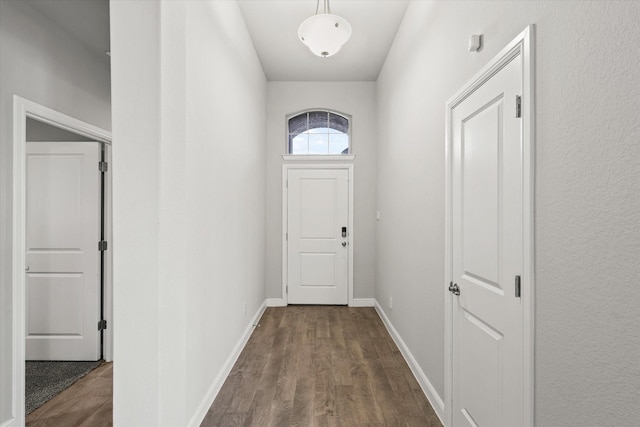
(196, 97)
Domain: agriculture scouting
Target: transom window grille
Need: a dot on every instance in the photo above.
(318, 132)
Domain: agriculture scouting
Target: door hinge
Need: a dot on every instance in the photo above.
(286, 236)
(103, 166)
(287, 289)
(102, 325)
(102, 245)
(518, 106)
(286, 183)
(518, 287)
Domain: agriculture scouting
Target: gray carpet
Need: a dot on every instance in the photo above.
(44, 380)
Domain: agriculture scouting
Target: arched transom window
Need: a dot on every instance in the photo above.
(319, 132)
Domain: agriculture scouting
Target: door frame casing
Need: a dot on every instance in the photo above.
(23, 109)
(285, 221)
(523, 45)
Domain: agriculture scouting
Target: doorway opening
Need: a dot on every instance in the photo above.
(50, 144)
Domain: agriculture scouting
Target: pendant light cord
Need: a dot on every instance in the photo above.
(325, 4)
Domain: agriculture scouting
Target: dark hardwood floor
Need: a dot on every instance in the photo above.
(303, 366)
(87, 403)
(320, 366)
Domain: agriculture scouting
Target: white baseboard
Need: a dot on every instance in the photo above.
(275, 302)
(356, 302)
(362, 302)
(434, 398)
(9, 423)
(215, 387)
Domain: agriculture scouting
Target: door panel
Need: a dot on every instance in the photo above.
(318, 263)
(480, 146)
(487, 239)
(480, 359)
(63, 208)
(62, 257)
(317, 208)
(46, 295)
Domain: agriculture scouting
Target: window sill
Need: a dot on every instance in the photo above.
(319, 157)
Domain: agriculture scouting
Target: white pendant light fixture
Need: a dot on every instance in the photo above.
(324, 33)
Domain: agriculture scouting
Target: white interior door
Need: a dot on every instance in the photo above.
(487, 253)
(62, 257)
(317, 246)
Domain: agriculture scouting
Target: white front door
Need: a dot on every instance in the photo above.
(318, 236)
(487, 253)
(63, 219)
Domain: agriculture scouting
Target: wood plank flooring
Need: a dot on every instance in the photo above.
(320, 366)
(87, 403)
(303, 366)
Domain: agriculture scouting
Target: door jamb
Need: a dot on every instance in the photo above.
(23, 109)
(522, 44)
(285, 201)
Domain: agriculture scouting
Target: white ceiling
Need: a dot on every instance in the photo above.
(86, 20)
(273, 27)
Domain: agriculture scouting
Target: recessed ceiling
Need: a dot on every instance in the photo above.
(87, 20)
(273, 26)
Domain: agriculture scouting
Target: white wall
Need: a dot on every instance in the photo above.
(136, 188)
(189, 100)
(357, 99)
(40, 131)
(587, 192)
(40, 62)
(226, 125)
